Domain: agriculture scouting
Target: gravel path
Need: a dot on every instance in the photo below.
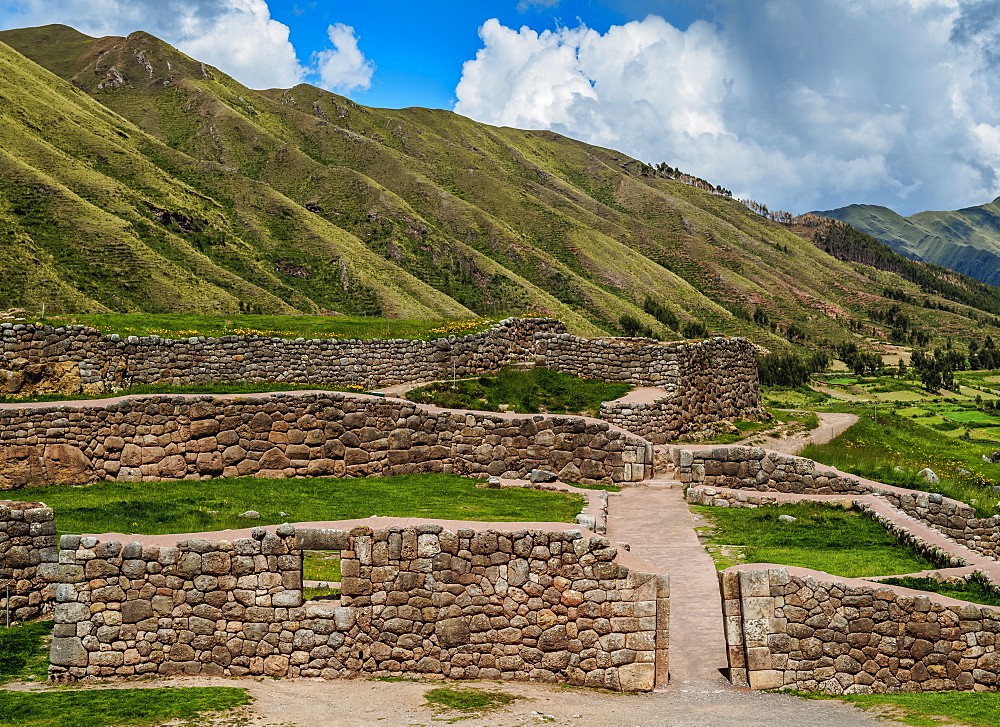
(831, 426)
(363, 703)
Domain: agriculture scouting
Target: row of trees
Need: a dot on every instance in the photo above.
(665, 171)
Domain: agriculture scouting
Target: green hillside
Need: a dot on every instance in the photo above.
(137, 179)
(965, 240)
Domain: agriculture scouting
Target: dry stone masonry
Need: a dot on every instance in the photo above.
(297, 435)
(544, 606)
(816, 633)
(28, 559)
(706, 381)
(42, 359)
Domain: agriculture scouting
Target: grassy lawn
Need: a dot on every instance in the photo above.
(23, 652)
(182, 325)
(829, 539)
(897, 447)
(929, 709)
(101, 707)
(527, 392)
(321, 565)
(202, 505)
(974, 590)
(151, 389)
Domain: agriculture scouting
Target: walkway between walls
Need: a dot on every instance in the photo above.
(657, 524)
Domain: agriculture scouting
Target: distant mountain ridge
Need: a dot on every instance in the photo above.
(136, 178)
(965, 240)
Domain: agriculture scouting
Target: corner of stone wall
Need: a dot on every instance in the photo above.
(732, 613)
(749, 609)
(662, 630)
(28, 560)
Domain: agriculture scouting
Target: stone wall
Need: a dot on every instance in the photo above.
(75, 358)
(550, 607)
(28, 559)
(706, 381)
(293, 435)
(753, 468)
(810, 632)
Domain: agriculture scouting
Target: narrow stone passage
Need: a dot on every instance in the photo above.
(656, 522)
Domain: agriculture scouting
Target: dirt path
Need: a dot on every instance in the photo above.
(657, 523)
(831, 426)
(362, 703)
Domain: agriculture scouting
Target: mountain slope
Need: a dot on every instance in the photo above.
(136, 178)
(965, 240)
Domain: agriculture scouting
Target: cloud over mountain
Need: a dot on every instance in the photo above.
(238, 36)
(891, 102)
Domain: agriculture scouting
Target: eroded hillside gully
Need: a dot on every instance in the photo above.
(628, 600)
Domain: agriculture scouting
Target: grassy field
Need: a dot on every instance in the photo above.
(527, 392)
(829, 539)
(111, 707)
(200, 505)
(929, 709)
(974, 590)
(895, 448)
(321, 565)
(24, 653)
(153, 389)
(183, 325)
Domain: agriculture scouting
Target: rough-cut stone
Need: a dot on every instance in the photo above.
(233, 608)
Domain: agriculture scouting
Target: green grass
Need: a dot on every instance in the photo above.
(897, 447)
(321, 565)
(973, 709)
(975, 417)
(464, 699)
(109, 707)
(202, 505)
(829, 539)
(160, 389)
(183, 325)
(311, 594)
(976, 590)
(527, 392)
(607, 488)
(23, 652)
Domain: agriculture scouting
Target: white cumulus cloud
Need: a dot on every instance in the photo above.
(799, 105)
(343, 67)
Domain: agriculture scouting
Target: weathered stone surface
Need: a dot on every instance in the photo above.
(235, 608)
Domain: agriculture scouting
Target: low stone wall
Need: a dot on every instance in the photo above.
(549, 607)
(753, 468)
(75, 358)
(814, 633)
(706, 381)
(294, 435)
(28, 559)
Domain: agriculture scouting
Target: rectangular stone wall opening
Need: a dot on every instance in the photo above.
(321, 576)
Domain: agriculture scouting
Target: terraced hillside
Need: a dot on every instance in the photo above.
(138, 179)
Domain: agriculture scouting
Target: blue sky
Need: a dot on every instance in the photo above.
(800, 104)
(419, 48)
